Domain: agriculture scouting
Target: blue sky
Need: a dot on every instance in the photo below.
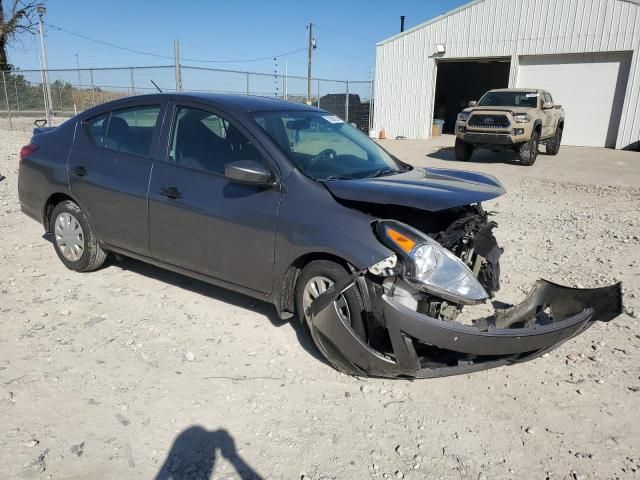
(346, 32)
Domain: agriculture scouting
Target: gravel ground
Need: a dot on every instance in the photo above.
(115, 373)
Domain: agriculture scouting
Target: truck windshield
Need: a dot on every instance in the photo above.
(509, 99)
(323, 146)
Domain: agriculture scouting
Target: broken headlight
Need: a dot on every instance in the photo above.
(429, 266)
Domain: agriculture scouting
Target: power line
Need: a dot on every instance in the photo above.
(140, 52)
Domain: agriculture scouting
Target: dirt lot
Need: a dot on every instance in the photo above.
(112, 374)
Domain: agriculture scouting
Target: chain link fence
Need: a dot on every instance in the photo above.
(22, 92)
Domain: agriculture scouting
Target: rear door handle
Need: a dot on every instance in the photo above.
(79, 170)
(170, 192)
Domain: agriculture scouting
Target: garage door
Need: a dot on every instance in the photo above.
(590, 87)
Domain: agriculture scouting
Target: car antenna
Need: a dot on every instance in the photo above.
(156, 85)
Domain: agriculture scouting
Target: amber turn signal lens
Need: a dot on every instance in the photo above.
(405, 243)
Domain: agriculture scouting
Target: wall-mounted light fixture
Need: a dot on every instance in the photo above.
(441, 49)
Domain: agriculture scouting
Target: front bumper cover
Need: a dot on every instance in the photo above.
(425, 347)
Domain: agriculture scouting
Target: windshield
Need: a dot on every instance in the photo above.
(509, 99)
(323, 146)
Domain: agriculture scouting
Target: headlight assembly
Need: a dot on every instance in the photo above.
(521, 118)
(463, 116)
(429, 266)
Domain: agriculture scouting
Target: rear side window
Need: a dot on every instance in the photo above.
(97, 127)
(127, 130)
(130, 130)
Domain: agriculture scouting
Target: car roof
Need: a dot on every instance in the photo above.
(516, 90)
(225, 101)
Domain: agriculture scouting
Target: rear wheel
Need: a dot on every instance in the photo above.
(553, 144)
(463, 150)
(74, 240)
(315, 279)
(528, 151)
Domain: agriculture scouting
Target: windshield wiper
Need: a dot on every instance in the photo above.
(338, 177)
(381, 172)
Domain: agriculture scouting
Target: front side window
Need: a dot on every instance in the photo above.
(509, 99)
(322, 146)
(130, 130)
(203, 141)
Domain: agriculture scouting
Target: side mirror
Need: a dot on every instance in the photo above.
(249, 172)
(472, 103)
(547, 105)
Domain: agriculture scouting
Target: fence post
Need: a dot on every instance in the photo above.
(93, 88)
(133, 85)
(6, 97)
(370, 106)
(247, 74)
(346, 105)
(15, 84)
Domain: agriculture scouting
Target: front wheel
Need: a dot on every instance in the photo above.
(528, 151)
(74, 240)
(463, 150)
(314, 280)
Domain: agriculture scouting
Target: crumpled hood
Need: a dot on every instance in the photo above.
(429, 189)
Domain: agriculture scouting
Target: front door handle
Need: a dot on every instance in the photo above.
(170, 192)
(80, 171)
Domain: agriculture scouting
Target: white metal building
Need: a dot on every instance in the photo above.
(585, 52)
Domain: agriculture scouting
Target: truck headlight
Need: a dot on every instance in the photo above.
(521, 118)
(429, 266)
(463, 116)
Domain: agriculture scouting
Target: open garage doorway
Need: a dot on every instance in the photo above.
(460, 81)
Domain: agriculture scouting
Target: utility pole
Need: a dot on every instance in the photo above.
(311, 47)
(176, 57)
(48, 105)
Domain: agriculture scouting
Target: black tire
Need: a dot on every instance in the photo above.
(553, 144)
(336, 273)
(463, 150)
(528, 151)
(92, 256)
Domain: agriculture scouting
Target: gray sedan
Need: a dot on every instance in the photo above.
(289, 204)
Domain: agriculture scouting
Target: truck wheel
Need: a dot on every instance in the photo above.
(316, 278)
(74, 240)
(463, 150)
(528, 151)
(553, 145)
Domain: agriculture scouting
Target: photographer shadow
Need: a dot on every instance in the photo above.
(194, 453)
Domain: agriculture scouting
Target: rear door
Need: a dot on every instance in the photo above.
(109, 169)
(201, 221)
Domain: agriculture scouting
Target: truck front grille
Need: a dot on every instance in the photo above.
(489, 121)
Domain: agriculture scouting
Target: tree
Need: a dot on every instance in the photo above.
(18, 19)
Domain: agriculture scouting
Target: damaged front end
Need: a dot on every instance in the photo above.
(413, 300)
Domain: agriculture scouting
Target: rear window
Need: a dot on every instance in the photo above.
(127, 130)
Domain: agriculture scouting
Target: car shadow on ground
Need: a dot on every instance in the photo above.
(195, 451)
(217, 293)
(480, 156)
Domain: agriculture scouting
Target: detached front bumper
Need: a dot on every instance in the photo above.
(425, 347)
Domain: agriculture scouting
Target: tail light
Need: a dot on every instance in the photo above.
(28, 150)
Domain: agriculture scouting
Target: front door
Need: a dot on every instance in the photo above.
(201, 221)
(109, 169)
